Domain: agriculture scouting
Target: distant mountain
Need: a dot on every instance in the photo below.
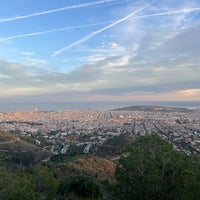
(153, 109)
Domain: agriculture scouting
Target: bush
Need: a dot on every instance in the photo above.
(79, 187)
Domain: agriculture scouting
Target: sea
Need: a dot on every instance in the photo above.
(14, 107)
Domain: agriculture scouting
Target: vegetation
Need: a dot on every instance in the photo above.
(93, 166)
(19, 152)
(114, 146)
(154, 170)
(80, 187)
(154, 108)
(44, 184)
(7, 137)
(13, 186)
(151, 169)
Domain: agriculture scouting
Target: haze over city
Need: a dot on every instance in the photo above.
(102, 50)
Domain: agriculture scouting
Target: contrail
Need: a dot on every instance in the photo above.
(185, 10)
(56, 10)
(87, 37)
(53, 30)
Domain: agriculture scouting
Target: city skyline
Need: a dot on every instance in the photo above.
(102, 50)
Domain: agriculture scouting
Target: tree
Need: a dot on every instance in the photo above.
(44, 184)
(79, 187)
(13, 187)
(154, 170)
(114, 146)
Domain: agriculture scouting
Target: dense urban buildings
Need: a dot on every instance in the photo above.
(58, 130)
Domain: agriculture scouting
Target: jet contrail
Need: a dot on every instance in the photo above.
(185, 10)
(53, 30)
(87, 37)
(56, 10)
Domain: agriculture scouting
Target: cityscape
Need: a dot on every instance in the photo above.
(100, 100)
(58, 130)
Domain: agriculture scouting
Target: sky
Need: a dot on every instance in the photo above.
(99, 50)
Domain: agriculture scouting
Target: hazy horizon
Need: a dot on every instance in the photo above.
(54, 106)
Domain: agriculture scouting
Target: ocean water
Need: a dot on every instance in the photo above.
(8, 107)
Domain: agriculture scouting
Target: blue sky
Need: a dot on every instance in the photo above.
(102, 50)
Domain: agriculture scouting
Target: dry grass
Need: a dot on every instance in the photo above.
(7, 137)
(99, 167)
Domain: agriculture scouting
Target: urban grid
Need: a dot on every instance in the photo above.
(58, 130)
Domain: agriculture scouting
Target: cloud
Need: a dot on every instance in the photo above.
(89, 36)
(152, 70)
(173, 12)
(153, 61)
(11, 69)
(56, 10)
(185, 43)
(90, 59)
(189, 92)
(185, 10)
(99, 53)
(107, 77)
(128, 17)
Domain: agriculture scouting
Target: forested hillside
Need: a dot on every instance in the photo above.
(151, 169)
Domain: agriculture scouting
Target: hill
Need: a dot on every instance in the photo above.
(153, 109)
(94, 165)
(14, 151)
(7, 138)
(100, 168)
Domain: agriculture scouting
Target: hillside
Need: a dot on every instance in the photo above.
(7, 138)
(101, 169)
(14, 151)
(153, 109)
(94, 165)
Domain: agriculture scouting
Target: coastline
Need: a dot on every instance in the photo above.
(29, 106)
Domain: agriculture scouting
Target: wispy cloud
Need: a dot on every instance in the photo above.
(56, 10)
(185, 10)
(152, 55)
(89, 36)
(189, 92)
